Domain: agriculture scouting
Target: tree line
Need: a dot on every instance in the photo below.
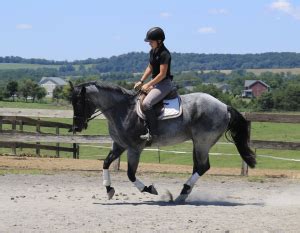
(284, 94)
(137, 61)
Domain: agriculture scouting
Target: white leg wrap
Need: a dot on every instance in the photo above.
(106, 178)
(140, 186)
(193, 179)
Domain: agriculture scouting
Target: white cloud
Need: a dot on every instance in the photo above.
(286, 7)
(165, 14)
(281, 5)
(207, 30)
(23, 26)
(220, 11)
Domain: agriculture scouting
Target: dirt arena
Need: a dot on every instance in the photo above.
(65, 199)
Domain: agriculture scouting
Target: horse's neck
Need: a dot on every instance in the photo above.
(115, 106)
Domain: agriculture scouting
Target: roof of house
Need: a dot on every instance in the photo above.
(56, 80)
(249, 83)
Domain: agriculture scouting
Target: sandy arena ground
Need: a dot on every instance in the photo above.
(75, 201)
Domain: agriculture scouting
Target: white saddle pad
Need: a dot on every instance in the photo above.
(172, 109)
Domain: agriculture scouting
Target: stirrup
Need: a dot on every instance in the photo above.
(146, 136)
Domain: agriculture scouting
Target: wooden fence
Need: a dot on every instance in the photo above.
(13, 138)
(276, 145)
(16, 137)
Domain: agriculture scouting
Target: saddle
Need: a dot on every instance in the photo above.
(169, 107)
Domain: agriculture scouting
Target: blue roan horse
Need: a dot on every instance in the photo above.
(204, 119)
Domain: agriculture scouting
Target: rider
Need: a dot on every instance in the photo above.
(161, 84)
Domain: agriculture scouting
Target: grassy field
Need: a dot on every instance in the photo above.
(47, 104)
(5, 66)
(223, 154)
(8, 66)
(226, 156)
(259, 71)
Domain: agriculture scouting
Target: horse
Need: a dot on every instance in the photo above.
(204, 120)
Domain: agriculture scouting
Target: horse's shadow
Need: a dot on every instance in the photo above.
(173, 203)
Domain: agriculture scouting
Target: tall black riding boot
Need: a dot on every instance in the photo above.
(151, 122)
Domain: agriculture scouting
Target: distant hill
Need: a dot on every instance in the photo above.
(137, 61)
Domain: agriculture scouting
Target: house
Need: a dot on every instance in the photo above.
(50, 83)
(254, 88)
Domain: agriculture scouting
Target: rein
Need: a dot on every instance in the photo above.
(109, 108)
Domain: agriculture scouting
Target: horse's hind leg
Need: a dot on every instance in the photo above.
(201, 165)
(113, 155)
(133, 157)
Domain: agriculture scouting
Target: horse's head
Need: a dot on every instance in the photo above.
(82, 106)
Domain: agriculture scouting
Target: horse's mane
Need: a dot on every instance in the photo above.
(109, 87)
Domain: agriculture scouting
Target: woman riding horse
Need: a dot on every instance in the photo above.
(161, 83)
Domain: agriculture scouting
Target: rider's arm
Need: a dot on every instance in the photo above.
(147, 72)
(163, 68)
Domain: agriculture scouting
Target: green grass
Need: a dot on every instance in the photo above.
(25, 172)
(259, 131)
(13, 66)
(259, 71)
(275, 131)
(266, 131)
(7, 66)
(47, 104)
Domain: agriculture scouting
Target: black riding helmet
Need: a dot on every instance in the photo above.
(155, 33)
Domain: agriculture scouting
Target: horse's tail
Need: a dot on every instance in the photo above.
(239, 132)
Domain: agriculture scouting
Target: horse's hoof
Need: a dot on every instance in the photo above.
(181, 198)
(110, 193)
(153, 190)
(150, 189)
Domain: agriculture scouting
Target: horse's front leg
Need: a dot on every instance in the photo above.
(113, 155)
(133, 156)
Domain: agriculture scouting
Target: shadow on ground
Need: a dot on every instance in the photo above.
(187, 203)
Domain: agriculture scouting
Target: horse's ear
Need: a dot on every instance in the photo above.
(71, 85)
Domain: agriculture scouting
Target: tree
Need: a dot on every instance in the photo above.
(41, 93)
(12, 89)
(26, 88)
(265, 101)
(67, 92)
(291, 100)
(214, 91)
(30, 88)
(2, 91)
(57, 93)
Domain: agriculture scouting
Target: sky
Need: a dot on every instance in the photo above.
(81, 29)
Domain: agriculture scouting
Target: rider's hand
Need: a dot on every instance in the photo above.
(146, 88)
(138, 85)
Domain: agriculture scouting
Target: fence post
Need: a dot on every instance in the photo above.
(75, 151)
(38, 130)
(57, 144)
(244, 171)
(21, 129)
(158, 153)
(14, 128)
